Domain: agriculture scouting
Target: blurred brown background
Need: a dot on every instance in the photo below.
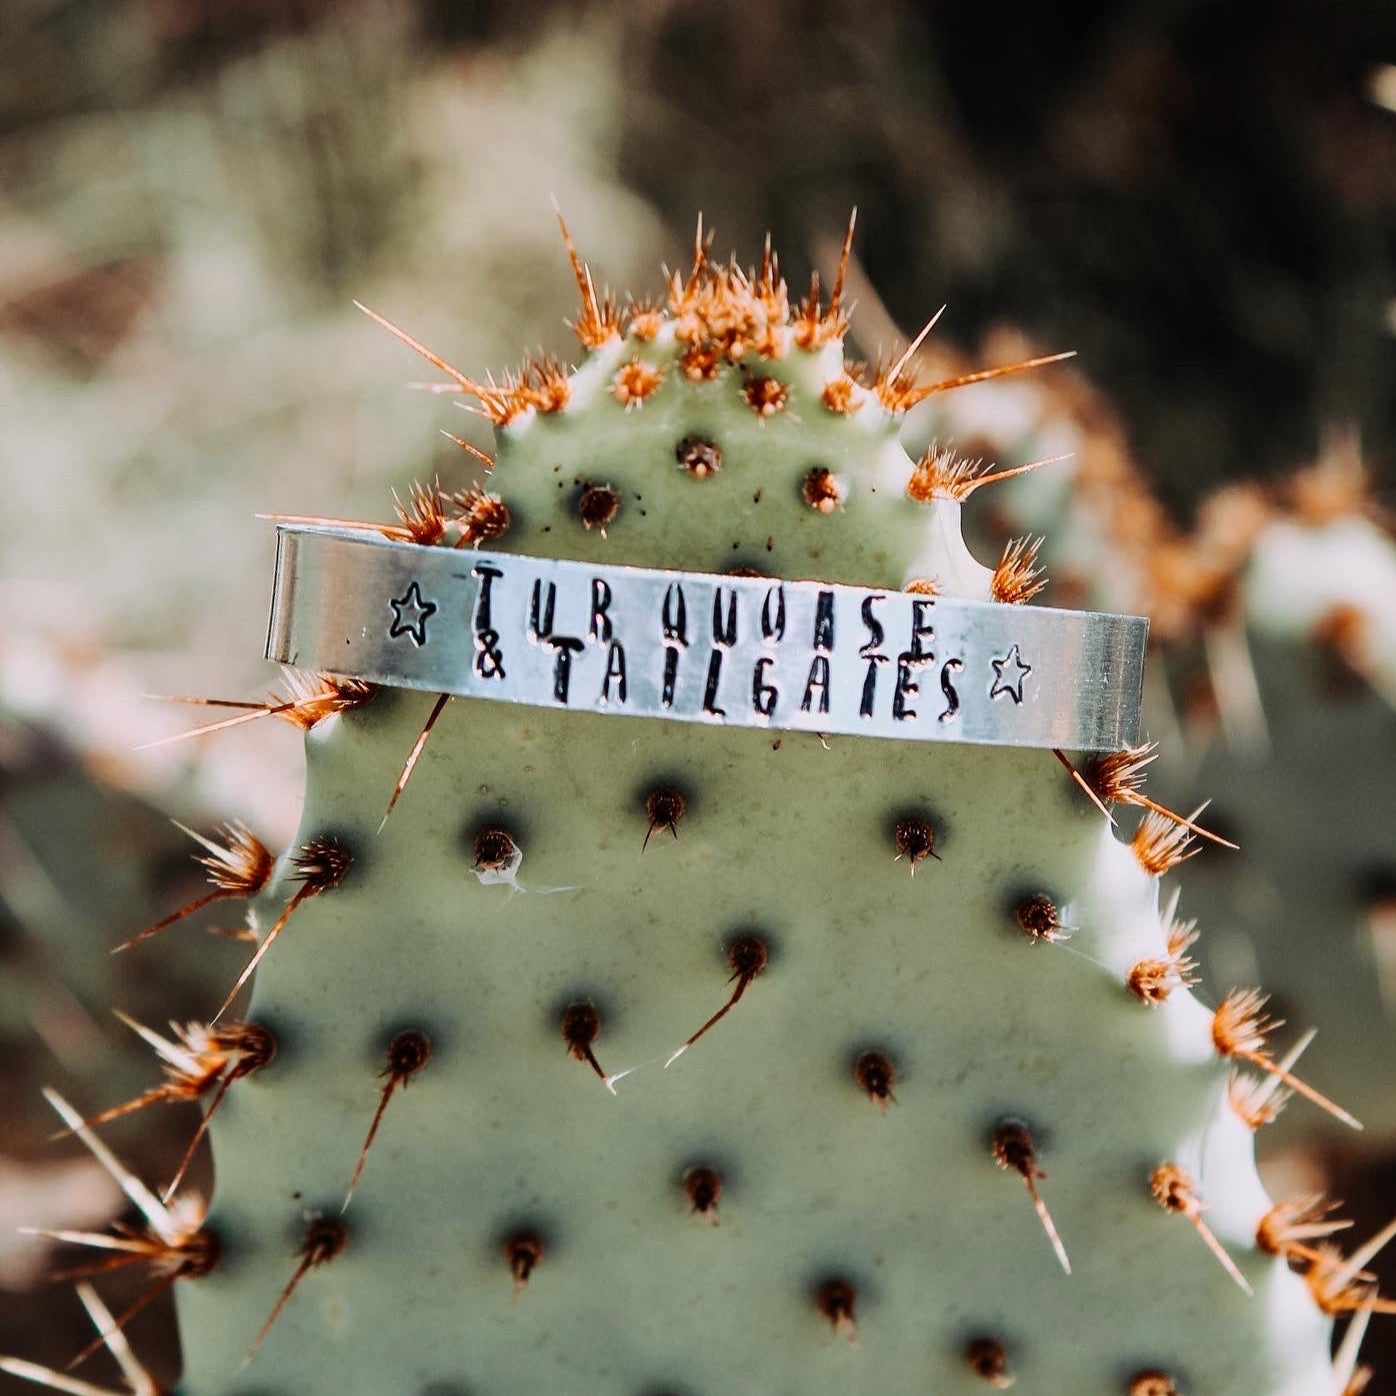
(1197, 195)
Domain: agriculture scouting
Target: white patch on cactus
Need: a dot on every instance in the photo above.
(943, 557)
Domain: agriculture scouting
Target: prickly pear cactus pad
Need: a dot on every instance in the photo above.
(637, 1056)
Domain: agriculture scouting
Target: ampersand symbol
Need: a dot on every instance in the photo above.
(489, 659)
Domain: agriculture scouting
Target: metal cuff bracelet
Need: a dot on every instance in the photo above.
(694, 647)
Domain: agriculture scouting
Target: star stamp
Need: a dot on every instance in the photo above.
(1011, 663)
(410, 615)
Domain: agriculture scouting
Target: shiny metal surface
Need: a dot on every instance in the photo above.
(743, 651)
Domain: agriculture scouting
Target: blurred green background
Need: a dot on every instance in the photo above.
(1197, 195)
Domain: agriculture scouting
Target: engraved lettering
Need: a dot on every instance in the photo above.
(725, 635)
(818, 679)
(489, 658)
(487, 575)
(913, 658)
(615, 669)
(921, 627)
(865, 708)
(824, 622)
(948, 670)
(600, 627)
(870, 651)
(907, 664)
(540, 613)
(773, 628)
(875, 631)
(565, 646)
(671, 674)
(764, 696)
(675, 616)
(710, 688)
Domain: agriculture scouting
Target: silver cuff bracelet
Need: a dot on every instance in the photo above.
(695, 647)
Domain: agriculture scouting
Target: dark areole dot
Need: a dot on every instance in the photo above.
(664, 808)
(323, 862)
(408, 1052)
(699, 456)
(597, 506)
(523, 1252)
(765, 395)
(837, 1300)
(915, 838)
(747, 956)
(325, 1237)
(581, 1025)
(703, 1186)
(1152, 1383)
(988, 1358)
(875, 1073)
(494, 848)
(821, 491)
(201, 1253)
(1012, 1146)
(1037, 916)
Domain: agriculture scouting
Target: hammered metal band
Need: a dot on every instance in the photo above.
(740, 651)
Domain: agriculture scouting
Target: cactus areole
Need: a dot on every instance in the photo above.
(757, 1053)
